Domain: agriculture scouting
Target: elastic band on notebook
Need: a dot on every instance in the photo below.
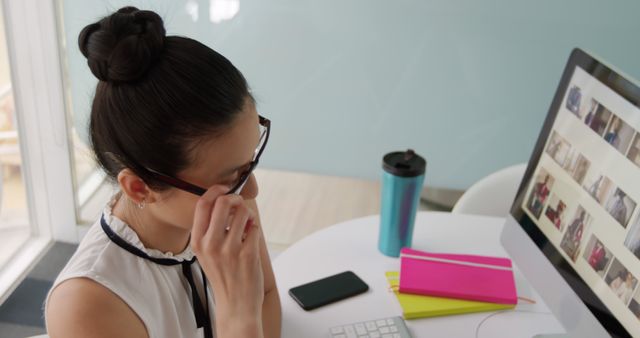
(451, 261)
(527, 300)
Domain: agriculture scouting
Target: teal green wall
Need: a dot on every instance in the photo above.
(467, 83)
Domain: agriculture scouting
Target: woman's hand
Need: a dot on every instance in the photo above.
(226, 241)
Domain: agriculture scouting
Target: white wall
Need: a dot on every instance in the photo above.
(465, 83)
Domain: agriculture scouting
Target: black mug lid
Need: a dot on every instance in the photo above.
(404, 163)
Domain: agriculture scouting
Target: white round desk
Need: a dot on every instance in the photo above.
(353, 245)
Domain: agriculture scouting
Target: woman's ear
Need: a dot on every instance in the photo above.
(134, 187)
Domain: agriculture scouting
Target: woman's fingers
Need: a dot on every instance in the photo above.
(220, 218)
(232, 265)
(247, 226)
(252, 239)
(240, 218)
(224, 223)
(202, 214)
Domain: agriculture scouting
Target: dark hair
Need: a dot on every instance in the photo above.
(623, 274)
(157, 95)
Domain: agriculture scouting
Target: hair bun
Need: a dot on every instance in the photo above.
(122, 47)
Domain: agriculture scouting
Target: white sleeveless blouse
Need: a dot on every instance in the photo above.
(159, 294)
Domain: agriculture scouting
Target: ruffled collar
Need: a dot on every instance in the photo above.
(124, 231)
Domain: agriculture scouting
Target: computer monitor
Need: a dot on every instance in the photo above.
(574, 227)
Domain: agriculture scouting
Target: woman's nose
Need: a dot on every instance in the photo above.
(250, 189)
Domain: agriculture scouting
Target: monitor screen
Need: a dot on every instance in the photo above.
(579, 198)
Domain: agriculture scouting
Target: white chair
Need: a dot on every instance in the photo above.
(492, 195)
(40, 336)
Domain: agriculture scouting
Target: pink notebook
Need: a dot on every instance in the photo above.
(486, 279)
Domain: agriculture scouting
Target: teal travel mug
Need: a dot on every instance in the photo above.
(401, 187)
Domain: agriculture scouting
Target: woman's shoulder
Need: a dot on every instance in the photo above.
(82, 302)
(95, 256)
(81, 307)
(102, 278)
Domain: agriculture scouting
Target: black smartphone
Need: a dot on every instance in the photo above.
(328, 290)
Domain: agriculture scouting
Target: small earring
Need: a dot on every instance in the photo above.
(141, 204)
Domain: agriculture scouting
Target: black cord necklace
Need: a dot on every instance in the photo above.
(202, 315)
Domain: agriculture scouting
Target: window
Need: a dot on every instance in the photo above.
(36, 199)
(14, 220)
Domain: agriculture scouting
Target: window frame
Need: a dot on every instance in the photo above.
(36, 79)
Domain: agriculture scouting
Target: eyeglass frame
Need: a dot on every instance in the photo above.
(199, 191)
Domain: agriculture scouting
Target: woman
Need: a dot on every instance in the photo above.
(169, 117)
(555, 216)
(623, 286)
(613, 136)
(571, 239)
(597, 257)
(617, 208)
(539, 196)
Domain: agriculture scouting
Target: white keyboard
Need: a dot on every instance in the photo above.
(392, 327)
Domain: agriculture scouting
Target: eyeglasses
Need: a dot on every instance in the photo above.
(265, 127)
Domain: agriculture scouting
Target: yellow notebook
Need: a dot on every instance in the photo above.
(418, 306)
